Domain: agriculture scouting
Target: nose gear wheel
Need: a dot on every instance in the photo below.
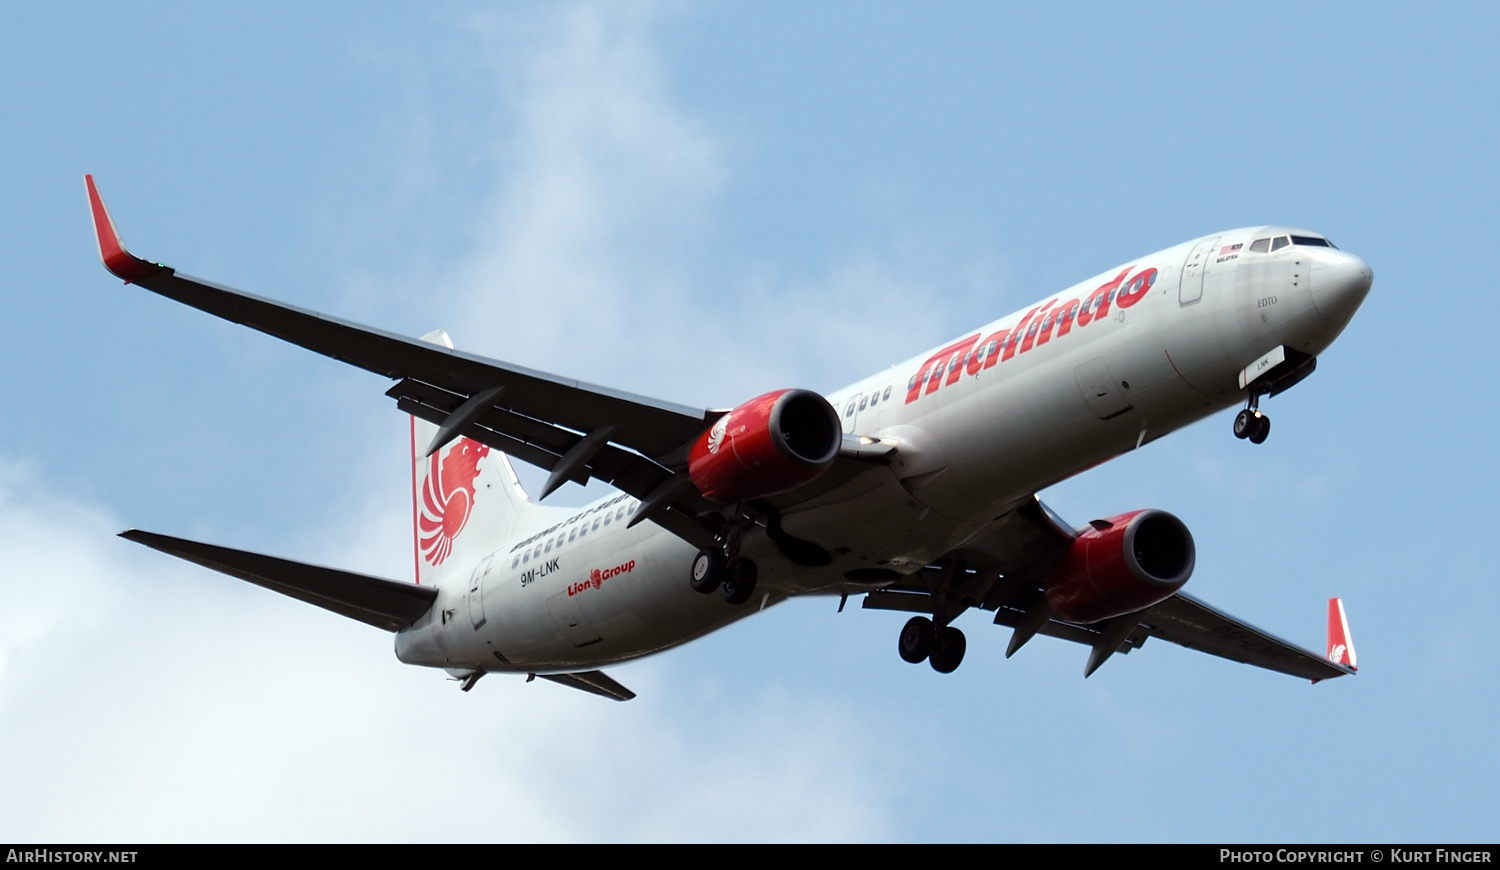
(1252, 425)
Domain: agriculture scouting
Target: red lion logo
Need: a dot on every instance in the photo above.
(448, 498)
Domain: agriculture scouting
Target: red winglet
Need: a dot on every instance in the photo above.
(117, 260)
(1340, 642)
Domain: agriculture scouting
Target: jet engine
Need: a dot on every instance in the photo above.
(1120, 565)
(770, 444)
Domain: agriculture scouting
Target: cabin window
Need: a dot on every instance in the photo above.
(596, 526)
(607, 518)
(863, 402)
(573, 534)
(620, 514)
(516, 561)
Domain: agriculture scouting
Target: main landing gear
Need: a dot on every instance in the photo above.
(1251, 423)
(942, 646)
(712, 570)
(722, 567)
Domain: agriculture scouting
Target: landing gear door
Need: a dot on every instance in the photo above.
(1190, 288)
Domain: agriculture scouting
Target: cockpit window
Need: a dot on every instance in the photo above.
(1261, 246)
(1312, 241)
(1279, 242)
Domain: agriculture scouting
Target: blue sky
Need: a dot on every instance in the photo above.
(701, 202)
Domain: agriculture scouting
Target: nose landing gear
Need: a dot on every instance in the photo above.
(1272, 374)
(1251, 424)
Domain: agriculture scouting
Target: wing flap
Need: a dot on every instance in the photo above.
(654, 428)
(1088, 635)
(386, 604)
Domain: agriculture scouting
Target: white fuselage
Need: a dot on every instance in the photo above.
(978, 425)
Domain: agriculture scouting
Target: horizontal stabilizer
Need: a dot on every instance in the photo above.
(382, 603)
(594, 682)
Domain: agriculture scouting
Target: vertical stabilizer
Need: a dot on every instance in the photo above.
(465, 501)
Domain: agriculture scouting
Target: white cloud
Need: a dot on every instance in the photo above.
(603, 183)
(585, 262)
(147, 699)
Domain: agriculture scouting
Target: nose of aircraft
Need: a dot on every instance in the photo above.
(1340, 282)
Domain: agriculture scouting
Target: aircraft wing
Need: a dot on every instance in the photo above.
(1186, 621)
(638, 444)
(1010, 562)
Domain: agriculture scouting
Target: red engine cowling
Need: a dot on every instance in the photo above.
(1139, 559)
(770, 444)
